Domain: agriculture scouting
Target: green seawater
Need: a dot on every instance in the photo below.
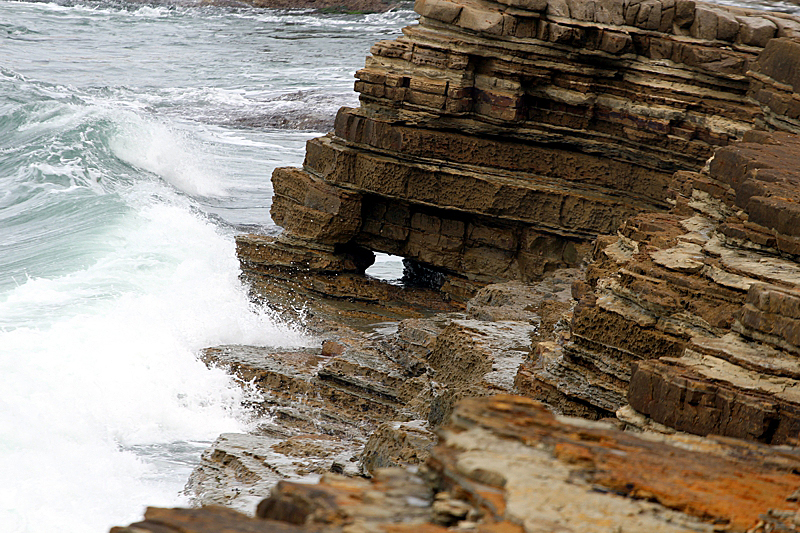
(136, 139)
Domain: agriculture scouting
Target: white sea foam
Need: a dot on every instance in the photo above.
(152, 11)
(168, 153)
(389, 19)
(54, 115)
(127, 124)
(95, 10)
(106, 367)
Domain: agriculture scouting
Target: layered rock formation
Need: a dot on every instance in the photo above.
(505, 464)
(496, 140)
(543, 166)
(369, 399)
(692, 320)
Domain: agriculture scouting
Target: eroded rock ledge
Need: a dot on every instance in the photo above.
(370, 397)
(494, 141)
(506, 464)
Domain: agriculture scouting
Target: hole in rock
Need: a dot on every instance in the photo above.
(387, 268)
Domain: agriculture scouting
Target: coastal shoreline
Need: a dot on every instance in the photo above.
(596, 203)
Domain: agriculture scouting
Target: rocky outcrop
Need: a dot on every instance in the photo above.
(774, 82)
(506, 464)
(555, 474)
(678, 320)
(496, 140)
(692, 316)
(543, 167)
(319, 409)
(505, 140)
(369, 398)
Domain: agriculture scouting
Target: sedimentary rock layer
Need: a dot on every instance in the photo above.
(370, 397)
(495, 140)
(775, 83)
(506, 464)
(693, 316)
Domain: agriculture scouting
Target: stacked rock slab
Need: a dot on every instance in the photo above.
(366, 400)
(743, 383)
(496, 140)
(691, 289)
(693, 319)
(774, 83)
(507, 465)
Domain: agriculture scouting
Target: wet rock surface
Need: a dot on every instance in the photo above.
(369, 397)
(239, 469)
(397, 444)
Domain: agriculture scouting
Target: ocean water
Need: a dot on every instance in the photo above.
(136, 139)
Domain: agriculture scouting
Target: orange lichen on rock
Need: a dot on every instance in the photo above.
(723, 481)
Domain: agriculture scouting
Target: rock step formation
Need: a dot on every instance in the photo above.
(506, 464)
(365, 400)
(211, 519)
(774, 83)
(693, 318)
(319, 409)
(556, 473)
(494, 141)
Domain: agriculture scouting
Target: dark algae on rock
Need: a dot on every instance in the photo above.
(598, 202)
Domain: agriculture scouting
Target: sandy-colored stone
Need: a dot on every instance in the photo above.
(548, 471)
(756, 31)
(705, 395)
(506, 465)
(396, 444)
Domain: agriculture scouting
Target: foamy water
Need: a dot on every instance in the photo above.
(135, 141)
(104, 404)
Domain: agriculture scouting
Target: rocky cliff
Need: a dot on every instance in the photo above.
(598, 203)
(689, 318)
(496, 140)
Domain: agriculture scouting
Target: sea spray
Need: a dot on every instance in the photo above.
(115, 278)
(169, 153)
(102, 375)
(135, 140)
